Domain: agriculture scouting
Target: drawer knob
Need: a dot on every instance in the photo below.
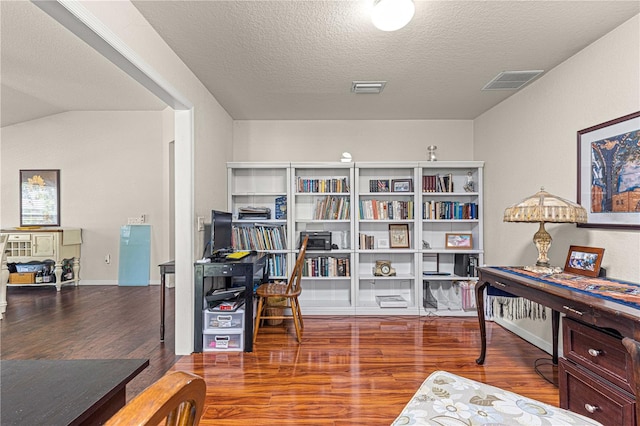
(591, 408)
(595, 352)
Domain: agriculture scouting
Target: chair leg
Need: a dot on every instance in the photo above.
(299, 313)
(256, 326)
(295, 310)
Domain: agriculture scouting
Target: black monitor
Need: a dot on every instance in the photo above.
(221, 230)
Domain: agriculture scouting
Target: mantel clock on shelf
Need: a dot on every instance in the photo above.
(383, 269)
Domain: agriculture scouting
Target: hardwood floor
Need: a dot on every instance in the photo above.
(348, 370)
(89, 322)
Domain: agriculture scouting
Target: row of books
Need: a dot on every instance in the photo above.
(437, 183)
(366, 242)
(447, 210)
(377, 209)
(277, 265)
(259, 237)
(322, 185)
(332, 208)
(326, 266)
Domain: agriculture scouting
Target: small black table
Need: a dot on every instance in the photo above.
(65, 392)
(245, 268)
(165, 268)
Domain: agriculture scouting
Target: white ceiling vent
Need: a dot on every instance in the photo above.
(511, 80)
(374, 87)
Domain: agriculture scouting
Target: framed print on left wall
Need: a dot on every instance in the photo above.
(39, 197)
(609, 173)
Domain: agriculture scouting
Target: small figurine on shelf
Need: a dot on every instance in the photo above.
(468, 187)
(432, 152)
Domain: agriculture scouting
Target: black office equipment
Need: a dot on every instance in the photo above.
(254, 213)
(318, 240)
(221, 230)
(465, 265)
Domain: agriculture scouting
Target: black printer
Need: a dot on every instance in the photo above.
(318, 240)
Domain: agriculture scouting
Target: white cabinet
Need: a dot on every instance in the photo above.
(401, 213)
(61, 246)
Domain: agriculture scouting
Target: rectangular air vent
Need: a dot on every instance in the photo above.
(512, 80)
(368, 86)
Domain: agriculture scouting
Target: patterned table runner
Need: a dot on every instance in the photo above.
(618, 291)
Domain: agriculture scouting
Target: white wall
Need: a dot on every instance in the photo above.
(111, 168)
(530, 140)
(366, 140)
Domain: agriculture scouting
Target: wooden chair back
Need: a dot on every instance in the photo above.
(294, 284)
(177, 398)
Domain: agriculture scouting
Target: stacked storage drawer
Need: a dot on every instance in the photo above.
(223, 331)
(596, 378)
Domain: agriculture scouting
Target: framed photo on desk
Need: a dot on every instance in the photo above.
(584, 261)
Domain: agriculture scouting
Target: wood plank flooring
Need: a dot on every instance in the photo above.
(348, 370)
(89, 322)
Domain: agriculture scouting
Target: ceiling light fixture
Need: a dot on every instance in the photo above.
(391, 15)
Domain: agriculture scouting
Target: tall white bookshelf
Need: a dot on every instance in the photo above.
(340, 198)
(386, 200)
(450, 212)
(322, 196)
(262, 185)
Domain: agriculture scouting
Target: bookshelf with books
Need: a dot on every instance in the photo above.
(386, 200)
(451, 235)
(258, 198)
(422, 219)
(322, 202)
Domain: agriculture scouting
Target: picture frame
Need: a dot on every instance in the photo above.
(584, 260)
(458, 241)
(608, 178)
(40, 197)
(379, 185)
(399, 235)
(382, 243)
(402, 185)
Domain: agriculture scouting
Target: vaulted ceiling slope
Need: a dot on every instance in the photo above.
(296, 59)
(47, 70)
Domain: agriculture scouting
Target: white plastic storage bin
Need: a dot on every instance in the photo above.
(223, 341)
(217, 320)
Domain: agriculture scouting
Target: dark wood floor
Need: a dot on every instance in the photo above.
(348, 370)
(89, 322)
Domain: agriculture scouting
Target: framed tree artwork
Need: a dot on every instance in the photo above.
(39, 197)
(609, 173)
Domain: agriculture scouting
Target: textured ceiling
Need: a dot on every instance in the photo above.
(297, 59)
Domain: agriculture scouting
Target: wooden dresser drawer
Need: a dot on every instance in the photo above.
(584, 393)
(599, 352)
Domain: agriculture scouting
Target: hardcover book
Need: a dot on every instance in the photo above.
(392, 301)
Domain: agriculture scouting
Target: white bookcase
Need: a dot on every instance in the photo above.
(450, 210)
(323, 201)
(262, 185)
(341, 198)
(386, 198)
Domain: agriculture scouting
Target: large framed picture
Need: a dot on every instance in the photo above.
(584, 260)
(39, 197)
(458, 241)
(609, 173)
(399, 235)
